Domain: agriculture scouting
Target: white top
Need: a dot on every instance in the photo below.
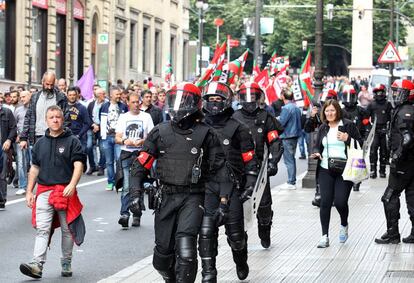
(335, 146)
(134, 127)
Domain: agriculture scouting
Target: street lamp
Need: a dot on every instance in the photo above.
(201, 7)
(243, 40)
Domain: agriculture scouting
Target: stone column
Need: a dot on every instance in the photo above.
(362, 39)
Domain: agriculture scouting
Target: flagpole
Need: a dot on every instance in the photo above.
(228, 49)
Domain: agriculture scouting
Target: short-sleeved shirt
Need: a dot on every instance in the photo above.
(134, 127)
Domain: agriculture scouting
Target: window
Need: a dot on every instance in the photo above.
(157, 53)
(145, 50)
(185, 60)
(94, 41)
(7, 47)
(173, 53)
(133, 46)
(39, 44)
(60, 45)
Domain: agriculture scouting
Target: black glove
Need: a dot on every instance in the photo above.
(137, 205)
(271, 169)
(221, 214)
(246, 194)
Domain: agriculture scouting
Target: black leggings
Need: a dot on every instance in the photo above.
(333, 188)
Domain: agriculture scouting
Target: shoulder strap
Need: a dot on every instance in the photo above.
(198, 136)
(165, 132)
(230, 128)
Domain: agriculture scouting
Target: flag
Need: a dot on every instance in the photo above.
(263, 79)
(168, 71)
(86, 82)
(305, 77)
(278, 63)
(235, 67)
(215, 62)
(275, 86)
(256, 69)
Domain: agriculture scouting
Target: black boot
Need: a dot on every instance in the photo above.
(317, 200)
(392, 236)
(382, 171)
(209, 271)
(136, 221)
(356, 187)
(240, 258)
(410, 238)
(264, 235)
(373, 173)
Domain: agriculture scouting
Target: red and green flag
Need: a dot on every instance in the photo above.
(217, 61)
(256, 69)
(235, 68)
(305, 77)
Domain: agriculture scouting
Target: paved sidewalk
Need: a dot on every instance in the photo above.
(293, 256)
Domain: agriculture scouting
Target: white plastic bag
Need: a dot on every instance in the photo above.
(356, 169)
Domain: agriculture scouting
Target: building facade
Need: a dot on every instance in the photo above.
(121, 39)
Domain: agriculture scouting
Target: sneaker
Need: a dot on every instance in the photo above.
(91, 170)
(343, 234)
(120, 189)
(124, 221)
(109, 187)
(136, 221)
(101, 172)
(32, 269)
(20, 192)
(66, 268)
(288, 186)
(302, 157)
(323, 242)
(2, 206)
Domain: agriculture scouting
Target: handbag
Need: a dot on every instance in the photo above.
(335, 164)
(356, 169)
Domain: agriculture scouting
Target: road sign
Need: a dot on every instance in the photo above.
(234, 42)
(103, 38)
(389, 54)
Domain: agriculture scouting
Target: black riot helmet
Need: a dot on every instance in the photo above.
(350, 98)
(215, 90)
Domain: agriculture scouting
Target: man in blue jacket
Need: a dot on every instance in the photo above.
(290, 120)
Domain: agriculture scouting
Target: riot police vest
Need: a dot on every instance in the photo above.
(179, 154)
(231, 147)
(403, 117)
(381, 113)
(257, 128)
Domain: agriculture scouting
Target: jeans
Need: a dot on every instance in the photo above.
(304, 138)
(112, 153)
(91, 150)
(44, 219)
(23, 163)
(289, 146)
(125, 199)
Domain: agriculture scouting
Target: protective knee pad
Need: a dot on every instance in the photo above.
(265, 215)
(164, 264)
(208, 238)
(236, 237)
(186, 249)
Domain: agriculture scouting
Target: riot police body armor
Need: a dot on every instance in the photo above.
(265, 130)
(401, 176)
(188, 155)
(380, 111)
(222, 207)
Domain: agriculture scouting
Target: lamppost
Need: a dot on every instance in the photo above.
(201, 7)
(304, 48)
(309, 181)
(243, 40)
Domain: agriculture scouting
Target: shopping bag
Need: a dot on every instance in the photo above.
(356, 169)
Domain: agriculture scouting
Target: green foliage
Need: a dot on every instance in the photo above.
(293, 25)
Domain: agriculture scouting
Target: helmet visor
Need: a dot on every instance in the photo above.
(250, 95)
(349, 98)
(177, 99)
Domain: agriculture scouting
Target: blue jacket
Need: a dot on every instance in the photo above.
(290, 120)
(79, 118)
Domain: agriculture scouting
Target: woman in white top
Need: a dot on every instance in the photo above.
(333, 137)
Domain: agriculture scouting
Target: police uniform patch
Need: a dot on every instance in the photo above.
(226, 142)
(194, 150)
(259, 130)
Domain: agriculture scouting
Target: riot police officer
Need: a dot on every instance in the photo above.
(379, 110)
(188, 155)
(226, 207)
(355, 113)
(402, 157)
(265, 130)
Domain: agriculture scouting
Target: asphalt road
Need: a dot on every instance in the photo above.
(107, 248)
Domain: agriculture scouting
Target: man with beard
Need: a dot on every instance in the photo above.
(265, 130)
(188, 155)
(35, 126)
(225, 208)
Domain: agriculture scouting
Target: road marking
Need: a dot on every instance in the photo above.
(79, 186)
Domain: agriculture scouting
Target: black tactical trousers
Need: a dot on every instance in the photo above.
(265, 213)
(397, 183)
(379, 142)
(177, 224)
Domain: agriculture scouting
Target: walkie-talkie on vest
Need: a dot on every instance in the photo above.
(196, 171)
